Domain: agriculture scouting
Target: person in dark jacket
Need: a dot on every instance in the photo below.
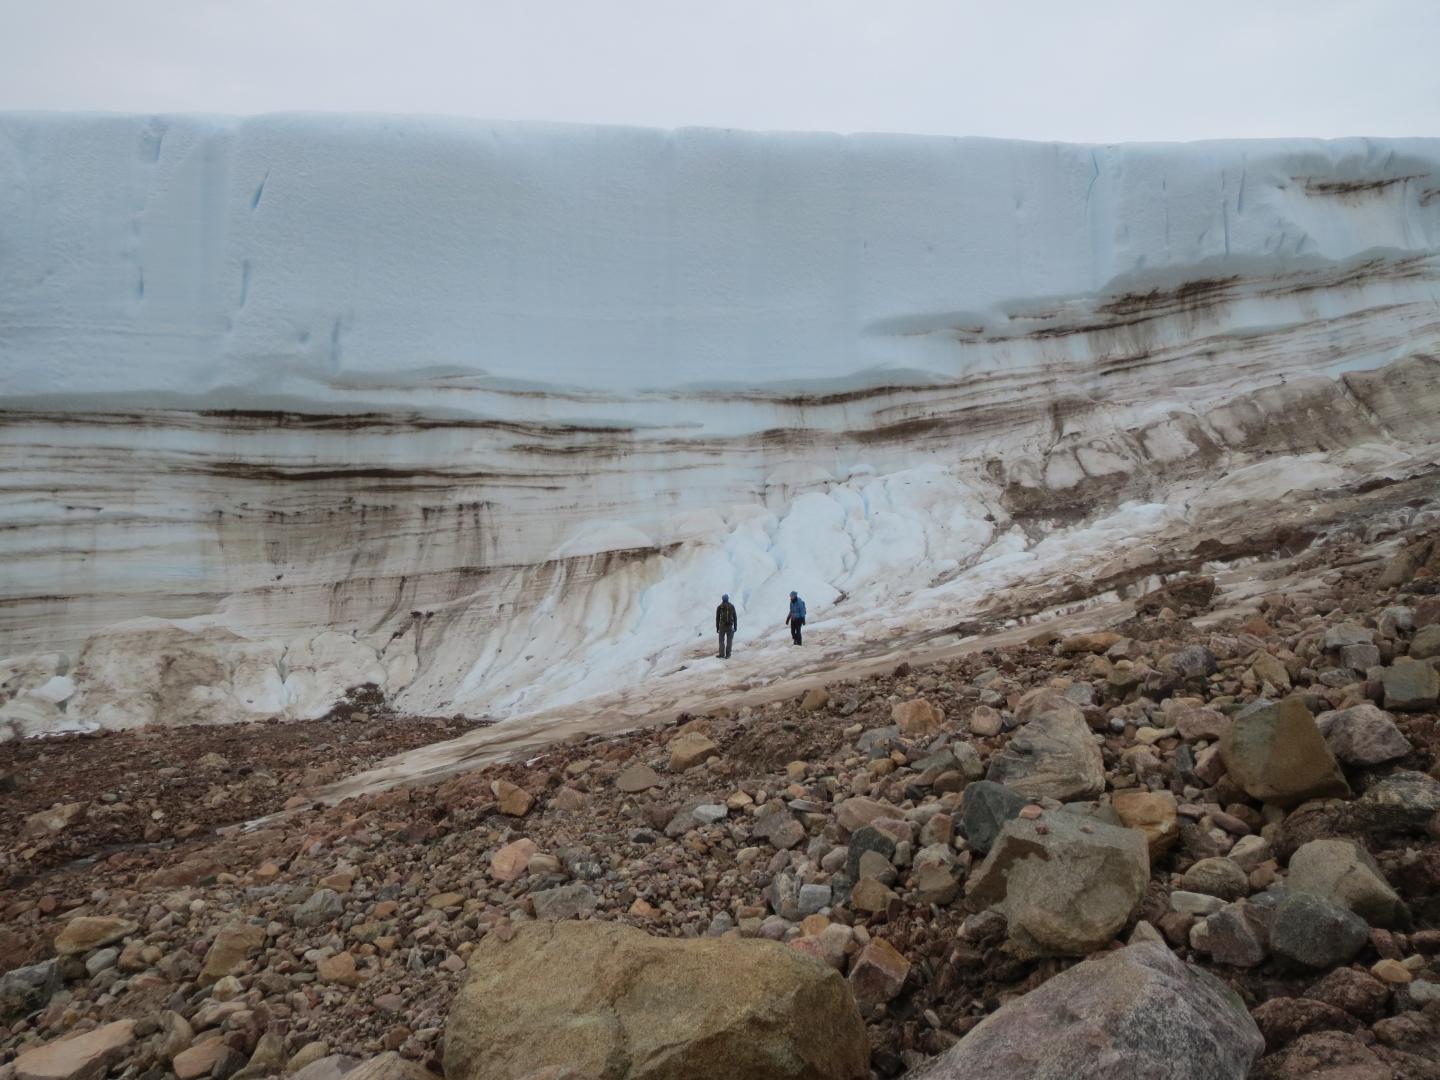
(725, 625)
(796, 618)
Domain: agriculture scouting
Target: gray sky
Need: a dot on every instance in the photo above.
(1083, 70)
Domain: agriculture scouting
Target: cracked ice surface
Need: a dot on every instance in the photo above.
(491, 414)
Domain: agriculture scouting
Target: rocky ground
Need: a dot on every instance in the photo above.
(162, 786)
(1257, 795)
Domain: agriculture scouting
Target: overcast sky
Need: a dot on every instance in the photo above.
(1083, 70)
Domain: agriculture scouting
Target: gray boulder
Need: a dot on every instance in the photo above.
(27, 989)
(1344, 873)
(1053, 755)
(1410, 685)
(1426, 643)
(1310, 930)
(565, 902)
(322, 906)
(1362, 735)
(1067, 885)
(1133, 1014)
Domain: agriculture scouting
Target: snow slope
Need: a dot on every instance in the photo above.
(491, 414)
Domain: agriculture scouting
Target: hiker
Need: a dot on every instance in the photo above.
(725, 625)
(796, 618)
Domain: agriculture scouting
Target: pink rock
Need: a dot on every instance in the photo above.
(512, 860)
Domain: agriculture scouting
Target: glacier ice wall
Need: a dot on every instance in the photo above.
(490, 414)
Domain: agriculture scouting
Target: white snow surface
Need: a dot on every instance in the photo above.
(491, 414)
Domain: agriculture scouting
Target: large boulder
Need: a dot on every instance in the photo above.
(1362, 735)
(1054, 754)
(1276, 753)
(1410, 685)
(85, 1056)
(1344, 873)
(26, 989)
(1133, 1014)
(1311, 930)
(86, 932)
(1067, 884)
(1426, 644)
(613, 1003)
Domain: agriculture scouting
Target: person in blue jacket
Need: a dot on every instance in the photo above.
(796, 618)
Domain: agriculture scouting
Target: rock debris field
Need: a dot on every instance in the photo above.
(1173, 846)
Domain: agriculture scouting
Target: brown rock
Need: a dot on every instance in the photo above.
(638, 778)
(1268, 669)
(872, 896)
(200, 1059)
(92, 932)
(87, 1056)
(855, 813)
(1326, 1055)
(1096, 643)
(339, 969)
(57, 819)
(233, 945)
(1358, 993)
(689, 750)
(1283, 1020)
(877, 973)
(1391, 971)
(1153, 813)
(610, 1001)
(513, 860)
(1277, 754)
(917, 717)
(1194, 724)
(815, 699)
(984, 721)
(511, 799)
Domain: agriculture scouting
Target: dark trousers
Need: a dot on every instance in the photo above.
(727, 639)
(795, 625)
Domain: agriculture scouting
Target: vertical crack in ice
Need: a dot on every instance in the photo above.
(1225, 210)
(259, 192)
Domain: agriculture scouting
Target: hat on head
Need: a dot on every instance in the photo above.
(725, 598)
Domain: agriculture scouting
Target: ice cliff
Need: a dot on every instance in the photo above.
(491, 414)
